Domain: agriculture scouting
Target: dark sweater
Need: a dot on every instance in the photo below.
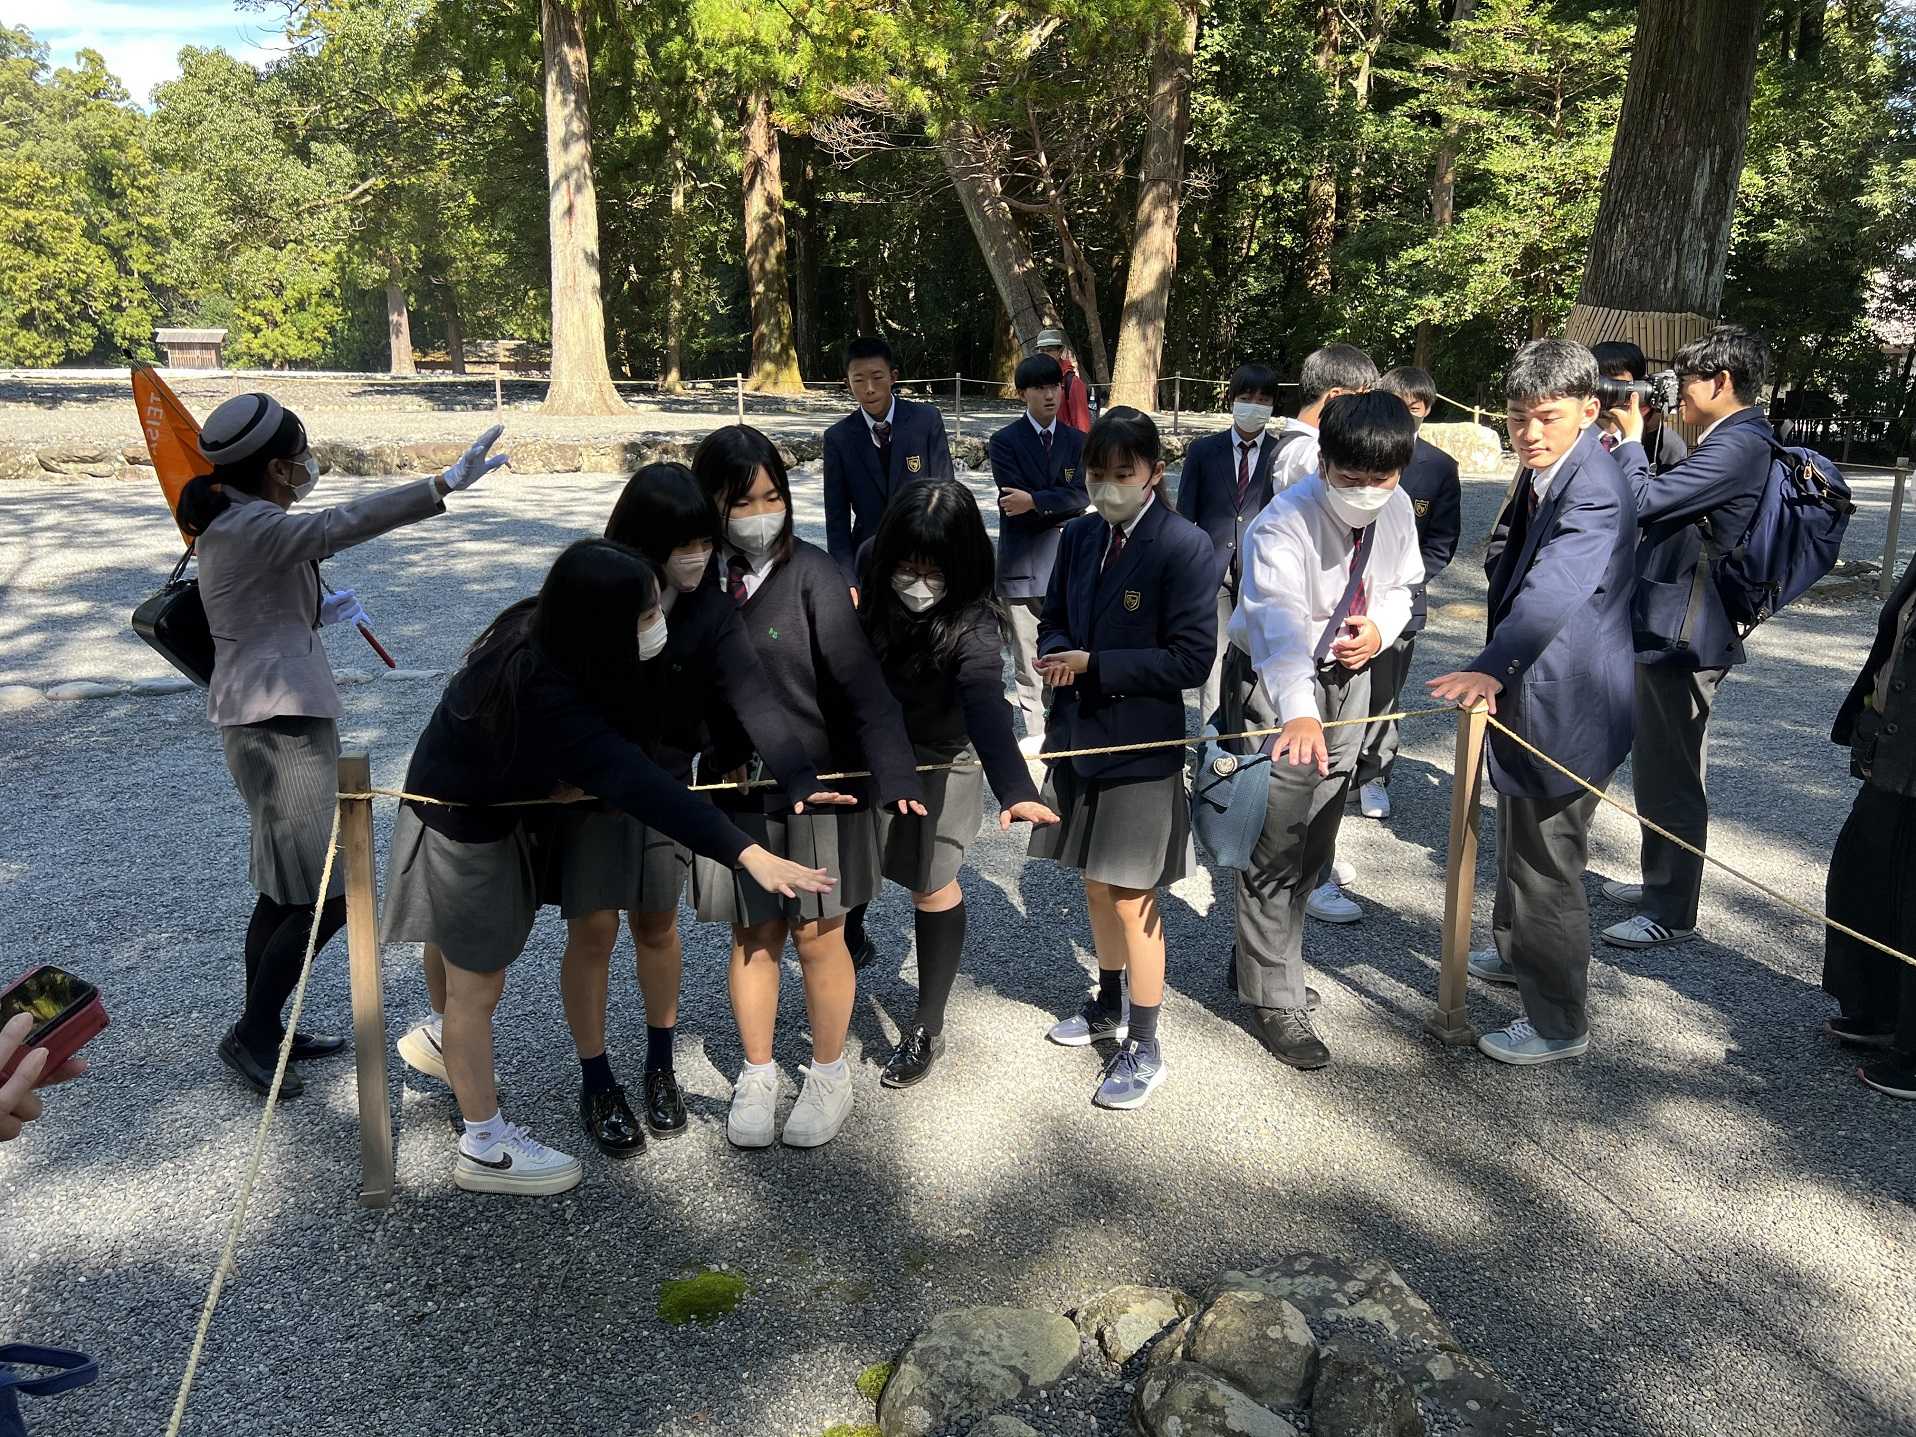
(945, 708)
(554, 739)
(824, 680)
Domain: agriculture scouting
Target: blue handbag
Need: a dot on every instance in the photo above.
(1231, 780)
(71, 1369)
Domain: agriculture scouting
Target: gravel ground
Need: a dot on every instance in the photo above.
(1703, 1228)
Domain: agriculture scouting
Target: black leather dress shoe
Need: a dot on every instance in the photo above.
(257, 1071)
(1288, 1033)
(308, 1046)
(911, 1060)
(1311, 996)
(610, 1123)
(664, 1105)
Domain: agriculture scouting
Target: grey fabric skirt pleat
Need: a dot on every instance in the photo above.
(1130, 833)
(476, 901)
(843, 842)
(609, 860)
(924, 854)
(287, 770)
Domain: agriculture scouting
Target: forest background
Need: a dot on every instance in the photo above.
(1183, 185)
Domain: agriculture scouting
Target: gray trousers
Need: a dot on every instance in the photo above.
(1387, 674)
(1300, 834)
(1668, 758)
(1541, 917)
(1212, 694)
(1024, 655)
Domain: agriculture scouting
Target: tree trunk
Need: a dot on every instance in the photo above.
(398, 323)
(805, 243)
(1657, 254)
(774, 361)
(974, 174)
(1154, 244)
(1320, 196)
(1080, 277)
(581, 379)
(455, 328)
(671, 380)
(1005, 353)
(864, 311)
(1443, 196)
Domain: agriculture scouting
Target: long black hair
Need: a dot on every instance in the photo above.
(583, 623)
(933, 522)
(207, 496)
(661, 508)
(726, 464)
(1122, 432)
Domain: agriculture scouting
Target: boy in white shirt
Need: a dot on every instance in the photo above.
(1330, 371)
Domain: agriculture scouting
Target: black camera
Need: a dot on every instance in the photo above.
(1659, 391)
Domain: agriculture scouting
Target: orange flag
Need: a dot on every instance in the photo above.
(172, 435)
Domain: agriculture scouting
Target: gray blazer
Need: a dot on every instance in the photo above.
(259, 580)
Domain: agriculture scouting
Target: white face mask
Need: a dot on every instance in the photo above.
(300, 491)
(652, 641)
(1118, 503)
(917, 594)
(1358, 506)
(687, 570)
(1250, 418)
(756, 535)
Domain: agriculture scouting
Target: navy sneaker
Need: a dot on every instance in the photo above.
(1092, 1024)
(1134, 1070)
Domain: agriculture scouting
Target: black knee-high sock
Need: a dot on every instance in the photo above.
(941, 944)
(267, 916)
(278, 972)
(855, 928)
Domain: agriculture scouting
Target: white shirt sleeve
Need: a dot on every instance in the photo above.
(1273, 616)
(1396, 567)
(1293, 462)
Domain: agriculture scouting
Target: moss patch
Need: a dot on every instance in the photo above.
(871, 1382)
(704, 1298)
(846, 1429)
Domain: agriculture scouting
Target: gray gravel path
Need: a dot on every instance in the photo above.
(1704, 1228)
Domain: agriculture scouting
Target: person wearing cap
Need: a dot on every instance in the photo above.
(272, 693)
(1074, 406)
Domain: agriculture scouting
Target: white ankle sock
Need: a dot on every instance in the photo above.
(832, 1072)
(770, 1070)
(484, 1135)
(437, 1022)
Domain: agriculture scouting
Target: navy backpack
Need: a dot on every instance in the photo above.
(1793, 540)
(69, 1370)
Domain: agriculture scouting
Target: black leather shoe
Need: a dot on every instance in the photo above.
(1288, 1033)
(308, 1046)
(248, 1064)
(609, 1122)
(863, 954)
(911, 1060)
(664, 1104)
(1311, 996)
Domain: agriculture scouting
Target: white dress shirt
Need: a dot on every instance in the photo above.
(755, 571)
(1542, 479)
(1043, 429)
(871, 424)
(1297, 561)
(1297, 459)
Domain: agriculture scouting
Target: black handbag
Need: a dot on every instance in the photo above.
(68, 1370)
(173, 621)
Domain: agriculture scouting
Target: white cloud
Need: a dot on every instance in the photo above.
(141, 41)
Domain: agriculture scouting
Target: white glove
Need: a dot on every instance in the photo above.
(473, 465)
(342, 606)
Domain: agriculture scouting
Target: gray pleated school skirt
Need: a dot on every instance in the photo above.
(476, 901)
(924, 854)
(843, 842)
(1131, 833)
(287, 770)
(609, 860)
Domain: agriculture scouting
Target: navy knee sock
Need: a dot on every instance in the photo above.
(1111, 989)
(658, 1049)
(597, 1073)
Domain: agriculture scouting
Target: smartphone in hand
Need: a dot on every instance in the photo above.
(67, 1014)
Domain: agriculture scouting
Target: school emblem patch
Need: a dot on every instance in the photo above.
(914, 462)
(1421, 506)
(1132, 598)
(1069, 475)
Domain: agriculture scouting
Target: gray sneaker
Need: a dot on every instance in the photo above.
(1134, 1070)
(1488, 964)
(1523, 1046)
(1092, 1025)
(1630, 894)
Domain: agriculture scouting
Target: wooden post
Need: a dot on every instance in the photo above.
(369, 1008)
(1886, 580)
(1177, 399)
(957, 406)
(1448, 1024)
(738, 380)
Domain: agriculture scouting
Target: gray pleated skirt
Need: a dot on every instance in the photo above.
(924, 854)
(843, 842)
(1131, 833)
(608, 860)
(287, 770)
(476, 901)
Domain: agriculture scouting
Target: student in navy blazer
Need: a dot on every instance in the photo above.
(1129, 623)
(1037, 463)
(1559, 669)
(1210, 497)
(1686, 641)
(876, 450)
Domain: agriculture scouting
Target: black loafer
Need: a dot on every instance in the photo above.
(1311, 996)
(664, 1105)
(610, 1123)
(248, 1064)
(308, 1046)
(1288, 1033)
(911, 1060)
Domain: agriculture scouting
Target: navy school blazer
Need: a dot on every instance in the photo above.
(1559, 627)
(1437, 498)
(1207, 491)
(856, 491)
(1149, 623)
(1028, 543)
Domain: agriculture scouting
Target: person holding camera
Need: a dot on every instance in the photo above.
(1623, 367)
(1686, 642)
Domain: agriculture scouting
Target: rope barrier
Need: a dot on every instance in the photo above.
(1474, 408)
(259, 1142)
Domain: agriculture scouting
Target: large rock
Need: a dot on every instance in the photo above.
(1002, 1426)
(1170, 1347)
(81, 461)
(14, 697)
(1467, 1401)
(1181, 1400)
(1337, 1294)
(1259, 1342)
(1477, 448)
(20, 461)
(1125, 1319)
(971, 1362)
(1361, 1393)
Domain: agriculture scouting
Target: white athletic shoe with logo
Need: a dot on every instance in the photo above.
(1642, 931)
(1618, 891)
(420, 1047)
(754, 1097)
(1328, 904)
(1373, 801)
(518, 1164)
(822, 1107)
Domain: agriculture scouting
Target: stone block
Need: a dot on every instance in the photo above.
(969, 1363)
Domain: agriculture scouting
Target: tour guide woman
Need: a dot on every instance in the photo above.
(272, 693)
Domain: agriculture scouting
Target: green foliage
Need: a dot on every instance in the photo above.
(851, 1429)
(871, 1382)
(703, 1298)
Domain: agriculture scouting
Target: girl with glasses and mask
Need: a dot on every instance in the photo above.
(927, 602)
(272, 693)
(1129, 623)
(821, 674)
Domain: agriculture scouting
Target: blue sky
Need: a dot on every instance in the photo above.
(142, 38)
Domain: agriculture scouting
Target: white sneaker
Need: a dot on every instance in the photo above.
(1640, 930)
(1373, 801)
(420, 1046)
(1328, 904)
(517, 1163)
(1618, 892)
(754, 1096)
(1343, 874)
(822, 1107)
